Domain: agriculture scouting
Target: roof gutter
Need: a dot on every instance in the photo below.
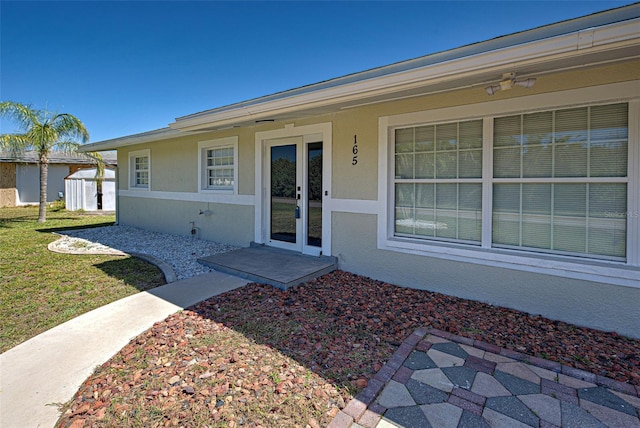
(575, 44)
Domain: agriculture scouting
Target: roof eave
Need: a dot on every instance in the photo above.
(130, 140)
(577, 44)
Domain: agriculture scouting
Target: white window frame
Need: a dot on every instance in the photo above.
(437, 181)
(218, 143)
(569, 266)
(132, 169)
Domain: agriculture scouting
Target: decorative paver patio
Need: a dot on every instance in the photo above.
(436, 379)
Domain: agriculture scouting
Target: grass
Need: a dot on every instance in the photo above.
(40, 289)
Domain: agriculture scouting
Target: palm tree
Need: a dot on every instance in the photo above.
(43, 132)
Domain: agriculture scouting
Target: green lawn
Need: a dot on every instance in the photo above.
(40, 289)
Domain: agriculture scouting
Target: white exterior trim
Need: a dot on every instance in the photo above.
(633, 196)
(572, 45)
(358, 206)
(209, 144)
(135, 154)
(325, 129)
(572, 267)
(216, 198)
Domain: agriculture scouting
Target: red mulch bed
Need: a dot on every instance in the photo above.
(342, 327)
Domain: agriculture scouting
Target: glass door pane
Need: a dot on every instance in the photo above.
(314, 194)
(283, 193)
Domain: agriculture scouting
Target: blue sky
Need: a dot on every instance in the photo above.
(128, 67)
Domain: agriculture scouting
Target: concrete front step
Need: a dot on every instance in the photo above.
(266, 265)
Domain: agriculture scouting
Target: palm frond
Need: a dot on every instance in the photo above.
(66, 146)
(15, 143)
(69, 126)
(22, 114)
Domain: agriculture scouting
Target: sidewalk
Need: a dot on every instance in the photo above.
(436, 379)
(48, 369)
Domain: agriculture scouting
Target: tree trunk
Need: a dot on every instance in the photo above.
(44, 171)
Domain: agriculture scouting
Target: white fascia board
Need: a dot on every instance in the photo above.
(618, 35)
(130, 140)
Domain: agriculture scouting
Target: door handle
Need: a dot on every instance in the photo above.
(297, 211)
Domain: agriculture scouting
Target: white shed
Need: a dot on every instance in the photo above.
(81, 191)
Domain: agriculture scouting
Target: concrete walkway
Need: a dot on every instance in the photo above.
(436, 379)
(48, 369)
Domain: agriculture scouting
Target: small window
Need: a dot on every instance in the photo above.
(218, 160)
(139, 169)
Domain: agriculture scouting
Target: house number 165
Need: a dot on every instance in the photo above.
(354, 161)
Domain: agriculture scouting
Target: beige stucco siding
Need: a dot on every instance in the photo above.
(232, 224)
(360, 181)
(357, 237)
(593, 304)
(174, 161)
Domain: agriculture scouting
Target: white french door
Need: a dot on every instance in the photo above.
(293, 206)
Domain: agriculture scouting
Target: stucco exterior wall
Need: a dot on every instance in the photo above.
(231, 224)
(596, 305)
(173, 202)
(362, 178)
(28, 182)
(7, 184)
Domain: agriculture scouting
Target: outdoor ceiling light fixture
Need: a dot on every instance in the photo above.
(509, 81)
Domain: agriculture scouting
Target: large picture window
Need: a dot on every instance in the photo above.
(438, 181)
(560, 181)
(558, 184)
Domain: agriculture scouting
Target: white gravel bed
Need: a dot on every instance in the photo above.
(181, 252)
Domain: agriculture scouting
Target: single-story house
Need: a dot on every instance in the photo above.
(20, 175)
(506, 171)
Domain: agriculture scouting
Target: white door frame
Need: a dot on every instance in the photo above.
(317, 132)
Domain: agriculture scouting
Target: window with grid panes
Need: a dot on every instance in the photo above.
(219, 168)
(438, 181)
(141, 171)
(560, 181)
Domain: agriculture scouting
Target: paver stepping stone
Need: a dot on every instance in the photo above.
(472, 351)
(433, 377)
(513, 408)
(489, 387)
(576, 417)
(520, 370)
(602, 396)
(545, 406)
(418, 360)
(634, 401)
(500, 420)
(573, 382)
(451, 348)
(406, 417)
(609, 416)
(442, 415)
(395, 394)
(462, 377)
(471, 420)
(443, 359)
(425, 394)
(544, 373)
(516, 385)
